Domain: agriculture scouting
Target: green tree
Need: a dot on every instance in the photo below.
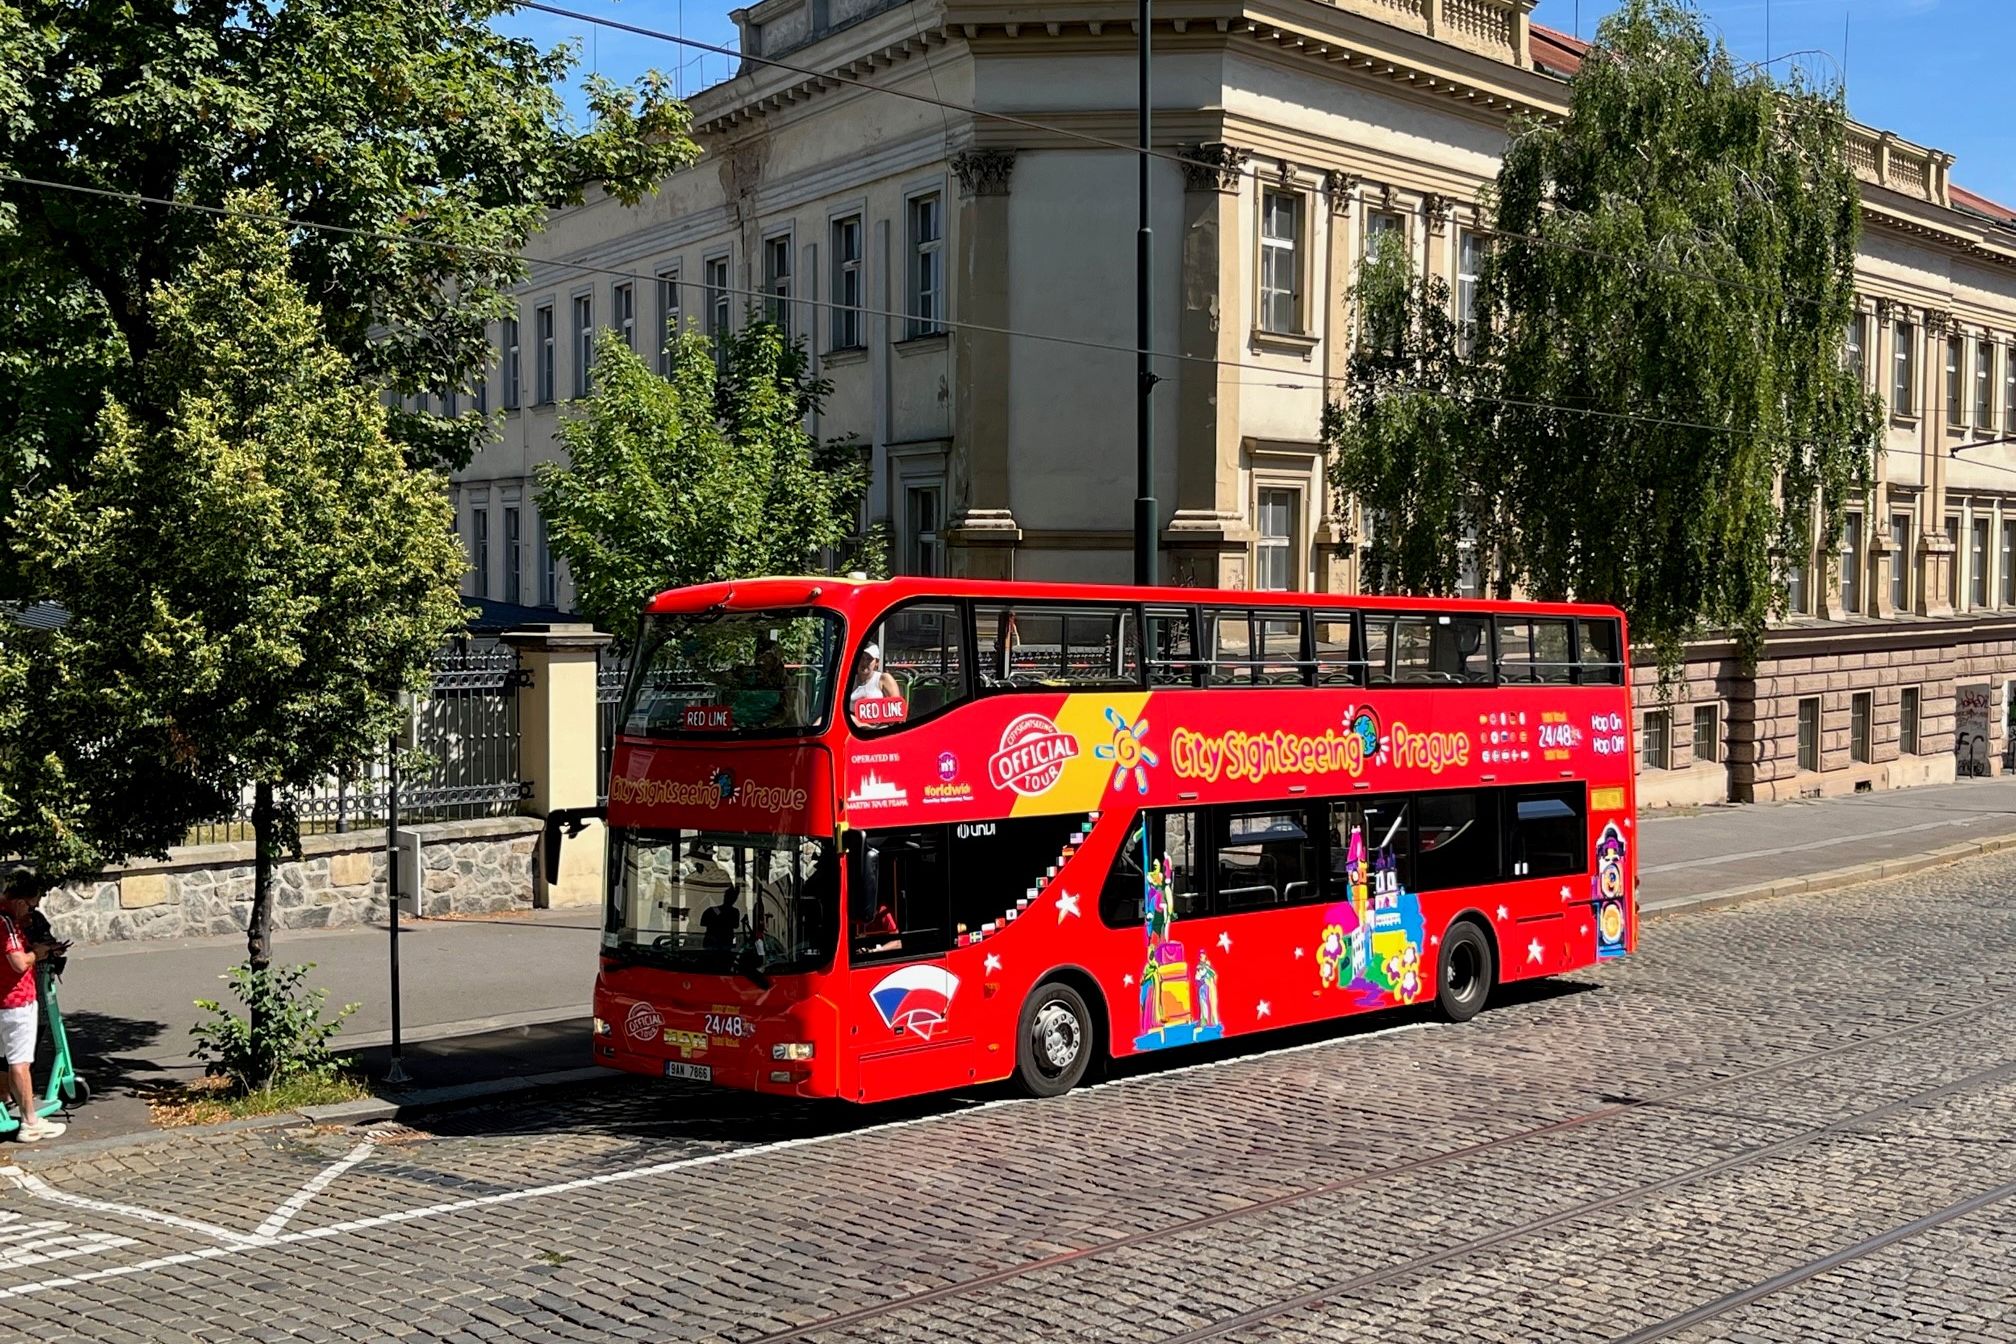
(705, 475)
(418, 120)
(1404, 442)
(252, 578)
(1658, 398)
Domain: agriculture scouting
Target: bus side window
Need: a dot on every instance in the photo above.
(1458, 842)
(1172, 849)
(897, 893)
(1547, 836)
(1172, 648)
(1264, 857)
(1602, 662)
(1379, 650)
(1535, 650)
(1232, 649)
(1338, 660)
(1386, 843)
(923, 666)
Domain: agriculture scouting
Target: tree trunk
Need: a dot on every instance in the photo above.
(259, 926)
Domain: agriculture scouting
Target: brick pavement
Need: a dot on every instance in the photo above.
(1756, 1090)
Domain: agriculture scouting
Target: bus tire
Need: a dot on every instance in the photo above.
(1055, 1044)
(1466, 972)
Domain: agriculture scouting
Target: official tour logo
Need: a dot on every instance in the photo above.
(1032, 755)
(644, 1023)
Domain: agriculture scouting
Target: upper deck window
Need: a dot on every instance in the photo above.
(733, 673)
(1041, 647)
(914, 663)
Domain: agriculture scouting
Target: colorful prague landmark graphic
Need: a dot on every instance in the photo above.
(1607, 892)
(1371, 944)
(1179, 1002)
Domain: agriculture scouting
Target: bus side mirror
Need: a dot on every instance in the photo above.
(575, 819)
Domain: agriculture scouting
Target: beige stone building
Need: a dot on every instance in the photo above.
(966, 285)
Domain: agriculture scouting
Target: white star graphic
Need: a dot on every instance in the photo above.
(1127, 980)
(1263, 1009)
(1585, 928)
(1067, 904)
(1503, 912)
(1534, 951)
(1298, 954)
(993, 964)
(1224, 942)
(1434, 940)
(1565, 893)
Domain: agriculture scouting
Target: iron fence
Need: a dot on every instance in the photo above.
(468, 735)
(610, 672)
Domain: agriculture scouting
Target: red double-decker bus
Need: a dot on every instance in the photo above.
(868, 840)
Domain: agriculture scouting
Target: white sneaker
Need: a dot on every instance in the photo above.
(38, 1129)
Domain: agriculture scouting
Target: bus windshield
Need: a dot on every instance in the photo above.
(741, 674)
(722, 903)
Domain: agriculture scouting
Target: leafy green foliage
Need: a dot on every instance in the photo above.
(698, 477)
(292, 1040)
(1658, 399)
(1404, 442)
(252, 578)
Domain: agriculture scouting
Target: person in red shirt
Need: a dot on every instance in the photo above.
(19, 1011)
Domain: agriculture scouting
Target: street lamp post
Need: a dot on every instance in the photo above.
(1145, 566)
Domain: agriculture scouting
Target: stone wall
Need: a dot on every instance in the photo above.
(483, 866)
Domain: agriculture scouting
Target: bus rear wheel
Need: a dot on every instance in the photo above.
(1466, 974)
(1055, 1043)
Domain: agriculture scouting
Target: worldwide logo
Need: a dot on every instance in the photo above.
(1032, 755)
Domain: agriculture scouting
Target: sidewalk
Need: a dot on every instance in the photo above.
(488, 1001)
(1742, 852)
(483, 999)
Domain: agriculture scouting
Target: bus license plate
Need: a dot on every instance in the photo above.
(698, 1073)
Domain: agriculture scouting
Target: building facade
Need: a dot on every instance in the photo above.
(965, 283)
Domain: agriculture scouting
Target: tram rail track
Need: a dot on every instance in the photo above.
(977, 1283)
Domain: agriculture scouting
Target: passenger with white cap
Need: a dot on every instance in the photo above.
(872, 683)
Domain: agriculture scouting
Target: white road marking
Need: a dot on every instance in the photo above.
(240, 1243)
(25, 1242)
(285, 1213)
(35, 1185)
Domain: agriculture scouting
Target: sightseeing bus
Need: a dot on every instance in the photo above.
(873, 839)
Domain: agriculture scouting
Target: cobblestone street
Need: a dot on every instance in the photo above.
(1788, 1121)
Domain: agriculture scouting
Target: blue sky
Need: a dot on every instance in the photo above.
(1926, 69)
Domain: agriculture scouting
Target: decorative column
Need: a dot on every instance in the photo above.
(1207, 536)
(558, 739)
(983, 532)
(1934, 546)
(1336, 536)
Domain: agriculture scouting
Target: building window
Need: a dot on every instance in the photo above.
(1655, 742)
(1809, 734)
(714, 272)
(1280, 262)
(1274, 553)
(1795, 585)
(1953, 560)
(1984, 386)
(623, 313)
(1977, 564)
(542, 336)
(510, 368)
(1384, 229)
(847, 283)
(927, 266)
(777, 281)
(1469, 273)
(2008, 570)
(1904, 371)
(451, 403)
(668, 320)
(1851, 563)
(479, 549)
(2009, 390)
(513, 593)
(1900, 561)
(1956, 360)
(584, 341)
(1858, 726)
(1907, 721)
(1858, 356)
(548, 589)
(483, 395)
(921, 509)
(1707, 738)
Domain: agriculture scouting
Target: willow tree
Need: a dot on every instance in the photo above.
(1405, 443)
(1664, 317)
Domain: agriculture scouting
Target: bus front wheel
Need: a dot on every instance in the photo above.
(1055, 1043)
(1466, 974)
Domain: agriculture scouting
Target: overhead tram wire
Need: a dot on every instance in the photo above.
(949, 324)
(1103, 142)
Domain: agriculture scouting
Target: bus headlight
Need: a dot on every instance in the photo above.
(603, 1028)
(791, 1050)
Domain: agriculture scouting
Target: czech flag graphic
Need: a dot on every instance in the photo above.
(916, 998)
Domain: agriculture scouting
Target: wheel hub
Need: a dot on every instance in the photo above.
(1056, 1037)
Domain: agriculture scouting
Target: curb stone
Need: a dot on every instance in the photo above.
(1832, 879)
